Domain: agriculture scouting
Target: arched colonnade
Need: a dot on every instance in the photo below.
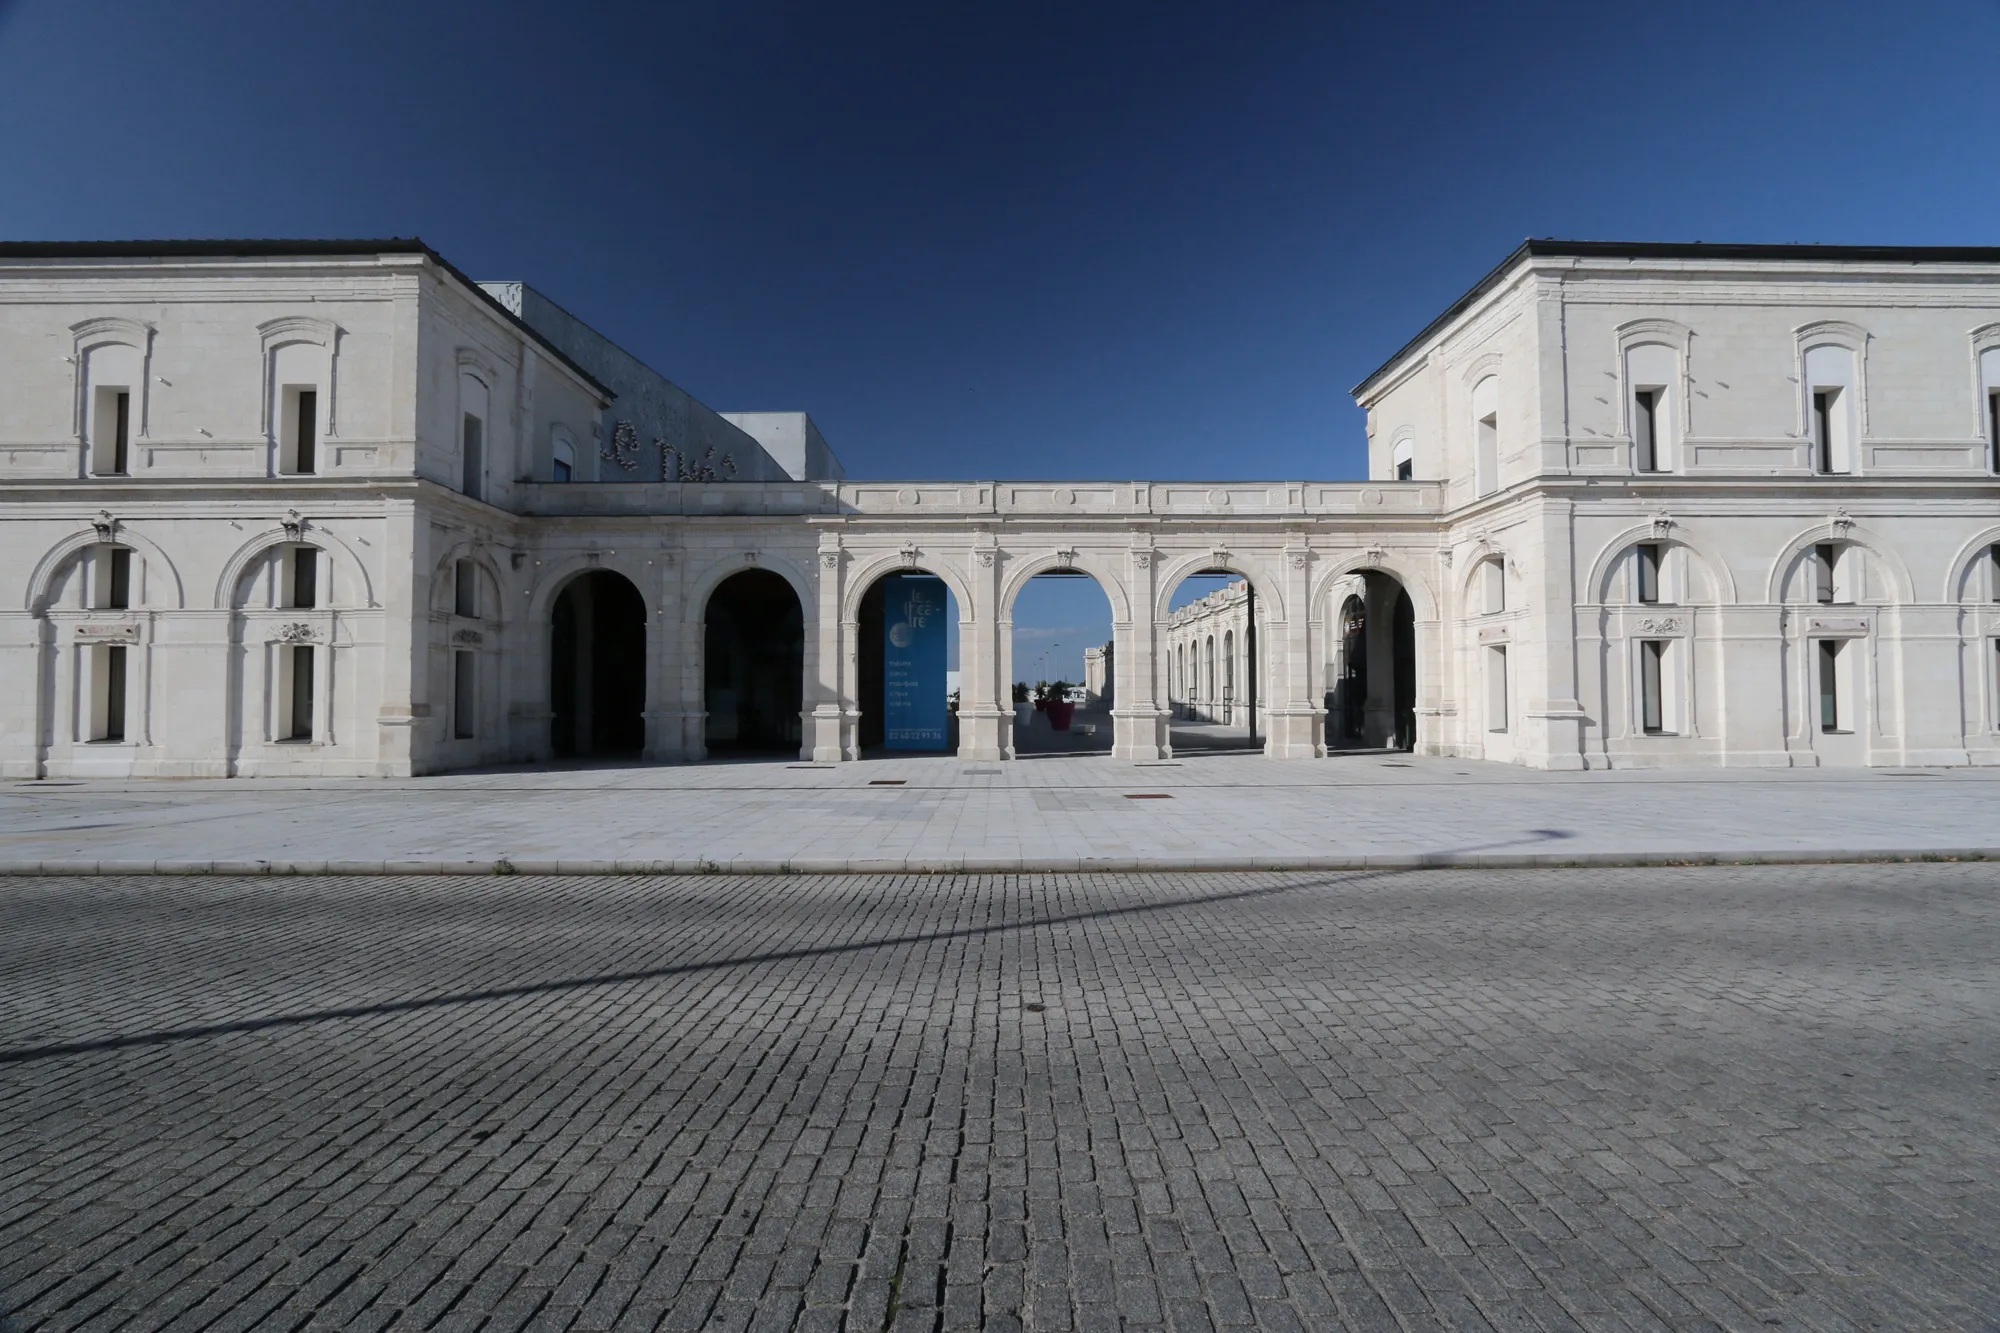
(715, 648)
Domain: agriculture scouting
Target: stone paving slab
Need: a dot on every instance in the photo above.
(1216, 812)
(1694, 1099)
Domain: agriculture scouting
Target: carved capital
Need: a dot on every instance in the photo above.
(1142, 559)
(472, 638)
(829, 560)
(985, 558)
(1297, 559)
(296, 632)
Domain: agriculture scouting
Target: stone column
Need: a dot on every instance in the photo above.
(1139, 717)
(1295, 715)
(828, 726)
(1551, 735)
(984, 734)
(402, 706)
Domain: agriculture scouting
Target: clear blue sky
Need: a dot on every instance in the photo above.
(1005, 240)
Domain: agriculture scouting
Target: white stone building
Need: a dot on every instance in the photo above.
(299, 508)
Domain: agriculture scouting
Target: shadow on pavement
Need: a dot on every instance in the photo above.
(166, 1036)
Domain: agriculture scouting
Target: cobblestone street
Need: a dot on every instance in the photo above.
(1741, 1098)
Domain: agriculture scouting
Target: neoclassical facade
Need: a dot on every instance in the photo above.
(310, 508)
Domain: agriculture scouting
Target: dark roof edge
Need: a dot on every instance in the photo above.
(279, 249)
(1547, 247)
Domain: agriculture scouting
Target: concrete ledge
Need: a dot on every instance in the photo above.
(1015, 865)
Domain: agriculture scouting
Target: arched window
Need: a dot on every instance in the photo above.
(1486, 435)
(1832, 407)
(562, 458)
(114, 384)
(1652, 375)
(1989, 399)
(473, 397)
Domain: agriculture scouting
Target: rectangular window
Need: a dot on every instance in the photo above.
(114, 665)
(301, 702)
(1486, 463)
(1993, 431)
(1645, 428)
(111, 433)
(121, 441)
(1652, 702)
(474, 457)
(305, 418)
(1406, 470)
(118, 584)
(1829, 685)
(1648, 572)
(464, 694)
(1993, 569)
(1826, 561)
(1823, 429)
(465, 589)
(305, 578)
(1496, 688)
(561, 469)
(1493, 581)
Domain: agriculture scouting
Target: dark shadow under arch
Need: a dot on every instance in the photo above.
(597, 668)
(753, 665)
(1373, 702)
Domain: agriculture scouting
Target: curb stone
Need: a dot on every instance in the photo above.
(1008, 865)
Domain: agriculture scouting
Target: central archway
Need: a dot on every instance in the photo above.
(597, 668)
(1371, 701)
(753, 674)
(1217, 691)
(926, 690)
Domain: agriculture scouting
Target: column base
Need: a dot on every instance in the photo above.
(1140, 734)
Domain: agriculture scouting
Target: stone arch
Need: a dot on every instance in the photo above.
(864, 575)
(352, 571)
(552, 579)
(1903, 588)
(1468, 594)
(441, 574)
(1177, 571)
(597, 705)
(1597, 586)
(694, 604)
(55, 560)
(1965, 565)
(1029, 566)
(1423, 596)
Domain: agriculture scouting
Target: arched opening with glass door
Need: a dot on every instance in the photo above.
(753, 665)
(906, 665)
(1219, 700)
(1371, 695)
(597, 668)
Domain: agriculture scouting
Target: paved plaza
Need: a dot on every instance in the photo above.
(1610, 1099)
(1059, 812)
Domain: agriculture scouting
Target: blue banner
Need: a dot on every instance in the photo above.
(913, 654)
